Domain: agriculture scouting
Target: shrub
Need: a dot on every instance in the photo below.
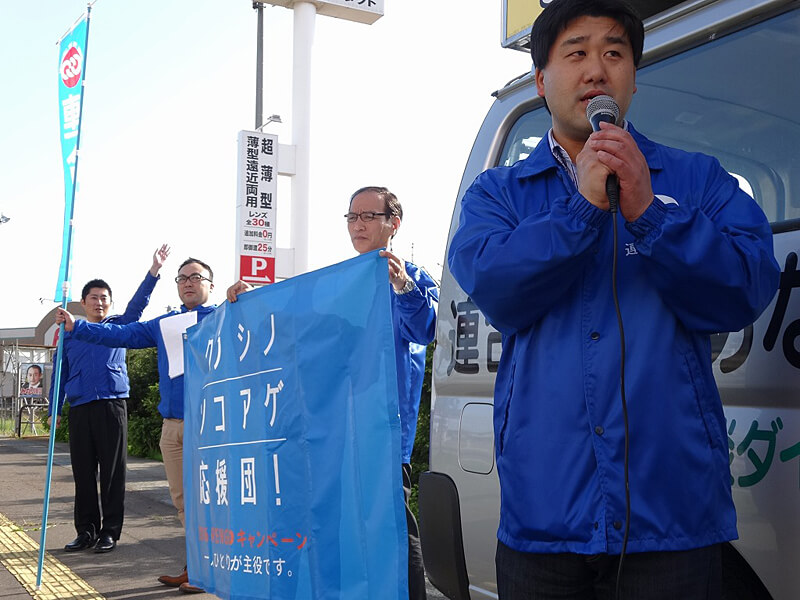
(144, 427)
(62, 431)
(142, 373)
(144, 421)
(419, 457)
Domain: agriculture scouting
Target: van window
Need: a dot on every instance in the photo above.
(735, 98)
(524, 135)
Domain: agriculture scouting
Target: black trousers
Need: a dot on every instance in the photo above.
(416, 568)
(681, 575)
(98, 438)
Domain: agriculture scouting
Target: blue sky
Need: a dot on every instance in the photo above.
(170, 84)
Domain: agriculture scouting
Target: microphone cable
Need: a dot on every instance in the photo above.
(612, 191)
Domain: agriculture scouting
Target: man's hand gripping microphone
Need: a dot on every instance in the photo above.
(604, 108)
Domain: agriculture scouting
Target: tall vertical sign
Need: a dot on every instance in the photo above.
(256, 199)
(71, 69)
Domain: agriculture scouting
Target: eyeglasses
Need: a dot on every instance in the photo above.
(194, 278)
(366, 216)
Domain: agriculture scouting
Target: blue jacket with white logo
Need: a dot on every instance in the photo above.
(90, 372)
(145, 335)
(536, 258)
(414, 324)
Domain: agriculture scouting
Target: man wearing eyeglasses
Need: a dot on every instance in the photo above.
(374, 217)
(195, 282)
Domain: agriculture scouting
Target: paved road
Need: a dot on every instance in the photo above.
(152, 541)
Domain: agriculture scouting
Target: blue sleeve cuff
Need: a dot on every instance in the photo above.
(586, 211)
(649, 224)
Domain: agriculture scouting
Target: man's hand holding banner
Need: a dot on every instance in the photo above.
(292, 441)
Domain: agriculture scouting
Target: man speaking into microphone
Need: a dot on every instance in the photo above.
(609, 440)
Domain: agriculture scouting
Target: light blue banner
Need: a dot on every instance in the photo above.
(292, 477)
(71, 69)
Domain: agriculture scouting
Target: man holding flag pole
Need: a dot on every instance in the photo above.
(94, 381)
(72, 70)
(194, 283)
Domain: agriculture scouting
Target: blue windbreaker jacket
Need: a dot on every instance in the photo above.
(90, 372)
(414, 324)
(536, 258)
(144, 335)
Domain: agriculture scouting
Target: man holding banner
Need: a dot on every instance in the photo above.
(195, 282)
(373, 220)
(374, 217)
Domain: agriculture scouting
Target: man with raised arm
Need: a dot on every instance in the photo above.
(94, 381)
(195, 282)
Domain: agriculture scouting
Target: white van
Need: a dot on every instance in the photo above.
(720, 77)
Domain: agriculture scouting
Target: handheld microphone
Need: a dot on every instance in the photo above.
(604, 108)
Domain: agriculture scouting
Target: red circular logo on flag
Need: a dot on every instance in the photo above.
(71, 65)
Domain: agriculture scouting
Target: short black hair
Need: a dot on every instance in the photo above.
(191, 260)
(391, 203)
(37, 367)
(95, 283)
(560, 13)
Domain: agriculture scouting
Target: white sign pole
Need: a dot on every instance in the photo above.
(305, 13)
(304, 18)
